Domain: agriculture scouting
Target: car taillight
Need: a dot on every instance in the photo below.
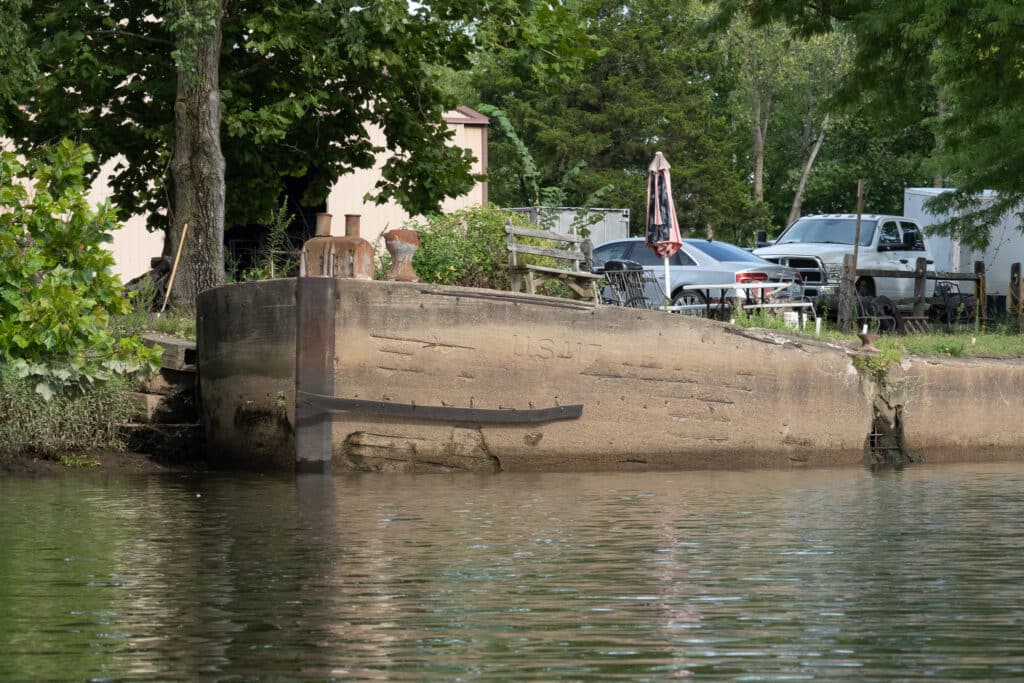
(746, 278)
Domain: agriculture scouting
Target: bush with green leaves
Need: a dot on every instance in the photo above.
(465, 248)
(57, 288)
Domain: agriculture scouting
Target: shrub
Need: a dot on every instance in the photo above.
(465, 248)
(57, 290)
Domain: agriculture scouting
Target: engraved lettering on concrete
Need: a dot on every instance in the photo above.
(544, 348)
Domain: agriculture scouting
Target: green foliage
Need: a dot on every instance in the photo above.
(68, 423)
(910, 57)
(300, 84)
(77, 461)
(16, 59)
(465, 248)
(552, 196)
(58, 290)
(657, 84)
(275, 257)
(760, 318)
(890, 351)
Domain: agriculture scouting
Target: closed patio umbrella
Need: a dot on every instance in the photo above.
(662, 226)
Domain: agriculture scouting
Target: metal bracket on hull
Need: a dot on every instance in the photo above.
(315, 404)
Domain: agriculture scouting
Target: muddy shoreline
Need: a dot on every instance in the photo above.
(110, 462)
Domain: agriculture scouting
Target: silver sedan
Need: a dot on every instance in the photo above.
(699, 262)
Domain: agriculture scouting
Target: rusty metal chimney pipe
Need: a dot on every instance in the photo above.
(352, 225)
(323, 225)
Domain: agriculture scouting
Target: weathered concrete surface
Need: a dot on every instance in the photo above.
(658, 391)
(961, 410)
(246, 349)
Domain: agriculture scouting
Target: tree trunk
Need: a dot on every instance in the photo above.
(197, 166)
(758, 148)
(940, 146)
(798, 199)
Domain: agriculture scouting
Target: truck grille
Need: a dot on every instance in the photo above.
(811, 270)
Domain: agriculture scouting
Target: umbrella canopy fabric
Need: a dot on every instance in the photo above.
(662, 226)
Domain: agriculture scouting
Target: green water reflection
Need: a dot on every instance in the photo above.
(723, 576)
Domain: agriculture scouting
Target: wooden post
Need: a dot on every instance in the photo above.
(315, 302)
(847, 295)
(979, 293)
(848, 284)
(856, 232)
(920, 271)
(1015, 295)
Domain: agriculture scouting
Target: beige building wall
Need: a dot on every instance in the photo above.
(133, 244)
(347, 196)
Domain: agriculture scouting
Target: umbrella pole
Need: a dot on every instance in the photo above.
(668, 284)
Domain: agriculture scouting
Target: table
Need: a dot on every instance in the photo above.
(801, 307)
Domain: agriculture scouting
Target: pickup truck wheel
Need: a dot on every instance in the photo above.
(866, 287)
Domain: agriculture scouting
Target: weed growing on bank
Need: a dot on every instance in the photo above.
(142, 318)
(66, 424)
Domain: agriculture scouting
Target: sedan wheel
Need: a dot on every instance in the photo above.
(692, 298)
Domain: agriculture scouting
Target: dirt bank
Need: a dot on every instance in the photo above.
(106, 461)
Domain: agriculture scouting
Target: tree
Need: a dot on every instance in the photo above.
(298, 83)
(906, 54)
(654, 86)
(16, 63)
(783, 85)
(197, 165)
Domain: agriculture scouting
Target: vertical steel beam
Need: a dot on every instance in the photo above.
(314, 371)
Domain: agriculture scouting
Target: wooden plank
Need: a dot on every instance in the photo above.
(543, 234)
(580, 274)
(564, 254)
(929, 275)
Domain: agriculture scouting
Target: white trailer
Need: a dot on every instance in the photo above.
(1006, 243)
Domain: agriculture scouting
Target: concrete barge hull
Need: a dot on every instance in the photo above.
(657, 391)
(654, 391)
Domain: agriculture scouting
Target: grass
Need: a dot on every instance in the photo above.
(144, 319)
(66, 424)
(1002, 341)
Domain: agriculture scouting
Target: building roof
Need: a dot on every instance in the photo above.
(467, 116)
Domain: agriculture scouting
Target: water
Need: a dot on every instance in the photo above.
(751, 576)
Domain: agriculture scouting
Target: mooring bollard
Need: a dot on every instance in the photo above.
(402, 245)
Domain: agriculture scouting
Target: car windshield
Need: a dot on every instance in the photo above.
(827, 231)
(722, 251)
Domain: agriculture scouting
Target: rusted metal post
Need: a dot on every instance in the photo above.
(979, 293)
(920, 272)
(315, 301)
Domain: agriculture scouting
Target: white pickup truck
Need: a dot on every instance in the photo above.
(816, 245)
